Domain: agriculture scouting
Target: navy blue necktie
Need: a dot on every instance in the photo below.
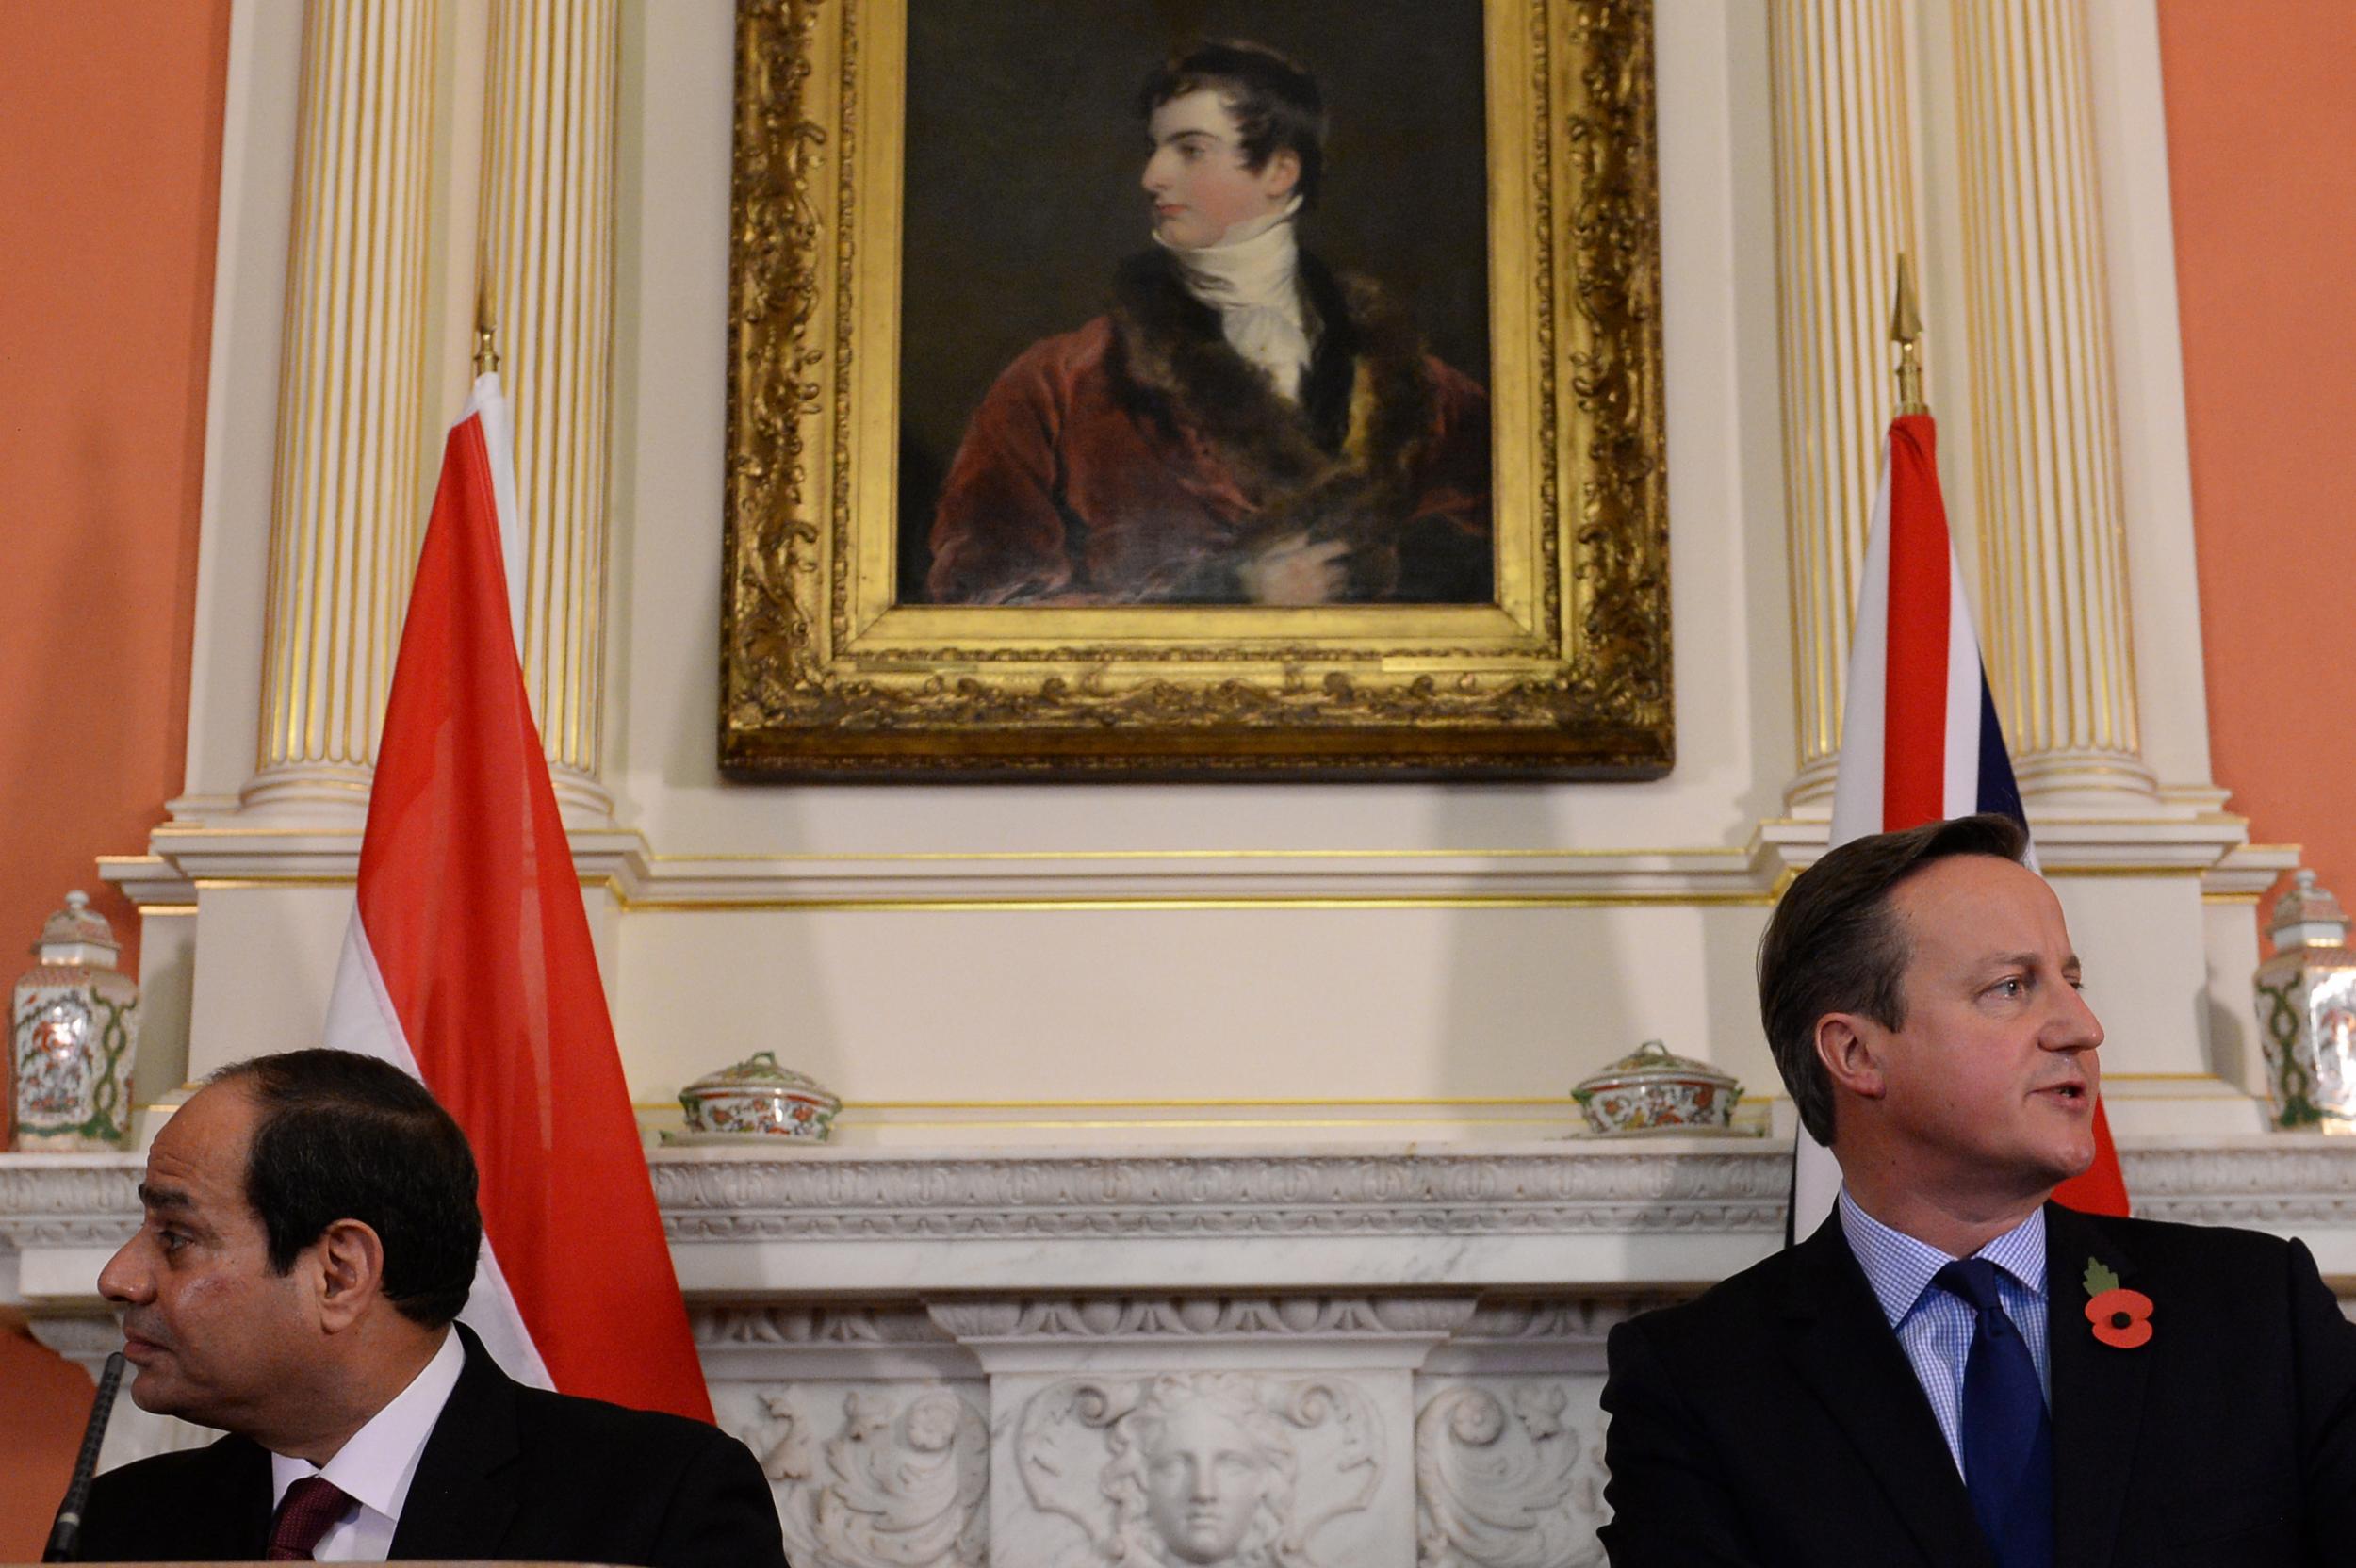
(2007, 1438)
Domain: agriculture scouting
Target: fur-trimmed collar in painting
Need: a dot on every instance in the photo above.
(1338, 463)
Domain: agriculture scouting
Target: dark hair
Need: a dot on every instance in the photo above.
(347, 1136)
(1275, 102)
(1834, 945)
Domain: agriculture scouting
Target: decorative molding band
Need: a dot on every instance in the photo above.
(802, 1327)
(1256, 1214)
(1353, 1192)
(185, 859)
(1197, 1319)
(2285, 1182)
(68, 1201)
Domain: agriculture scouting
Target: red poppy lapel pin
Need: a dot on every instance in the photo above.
(2121, 1317)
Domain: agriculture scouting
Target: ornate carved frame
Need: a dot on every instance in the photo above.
(1567, 675)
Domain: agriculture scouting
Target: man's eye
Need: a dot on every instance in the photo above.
(170, 1240)
(2009, 987)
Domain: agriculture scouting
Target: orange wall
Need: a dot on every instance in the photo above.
(2262, 129)
(109, 180)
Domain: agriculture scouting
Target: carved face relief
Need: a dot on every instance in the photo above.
(1203, 1469)
(1205, 1481)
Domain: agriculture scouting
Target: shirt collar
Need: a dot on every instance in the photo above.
(1900, 1267)
(377, 1464)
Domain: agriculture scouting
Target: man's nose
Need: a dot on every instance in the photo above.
(124, 1280)
(2074, 1027)
(1154, 178)
(1202, 1491)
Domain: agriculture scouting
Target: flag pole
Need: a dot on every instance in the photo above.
(1905, 330)
(486, 353)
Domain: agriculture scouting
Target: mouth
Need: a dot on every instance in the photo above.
(139, 1351)
(2073, 1094)
(1167, 210)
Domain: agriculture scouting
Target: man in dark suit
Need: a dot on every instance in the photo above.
(1953, 1371)
(310, 1237)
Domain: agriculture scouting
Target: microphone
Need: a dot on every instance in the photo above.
(65, 1535)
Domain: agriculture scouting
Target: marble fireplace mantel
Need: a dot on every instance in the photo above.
(756, 1224)
(935, 1352)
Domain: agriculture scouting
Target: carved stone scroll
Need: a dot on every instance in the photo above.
(879, 1475)
(1509, 1473)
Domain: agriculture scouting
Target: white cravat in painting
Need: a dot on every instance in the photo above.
(1248, 278)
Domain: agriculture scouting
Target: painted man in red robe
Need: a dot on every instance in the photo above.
(1245, 425)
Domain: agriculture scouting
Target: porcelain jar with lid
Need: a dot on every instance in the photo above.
(2306, 999)
(74, 1036)
(1652, 1090)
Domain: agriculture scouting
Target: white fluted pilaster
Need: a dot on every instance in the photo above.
(346, 507)
(2045, 457)
(547, 232)
(1844, 209)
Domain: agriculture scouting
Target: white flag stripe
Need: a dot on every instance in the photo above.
(499, 439)
(1961, 785)
(360, 1017)
(1856, 787)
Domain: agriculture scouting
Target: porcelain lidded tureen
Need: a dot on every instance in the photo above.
(757, 1097)
(1651, 1091)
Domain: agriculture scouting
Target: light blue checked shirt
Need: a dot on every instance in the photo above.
(1934, 1328)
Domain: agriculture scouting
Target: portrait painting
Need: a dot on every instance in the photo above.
(1195, 387)
(1194, 305)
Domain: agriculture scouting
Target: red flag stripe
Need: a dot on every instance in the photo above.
(1914, 725)
(470, 902)
(2101, 1187)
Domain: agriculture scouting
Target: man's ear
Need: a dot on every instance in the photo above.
(1282, 172)
(1845, 1044)
(350, 1261)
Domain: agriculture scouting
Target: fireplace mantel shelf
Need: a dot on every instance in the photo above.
(749, 1224)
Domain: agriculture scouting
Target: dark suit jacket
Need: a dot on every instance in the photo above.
(1777, 1421)
(510, 1473)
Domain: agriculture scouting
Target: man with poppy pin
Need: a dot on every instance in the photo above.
(1952, 1370)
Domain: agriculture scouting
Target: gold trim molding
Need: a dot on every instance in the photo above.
(1565, 674)
(2213, 852)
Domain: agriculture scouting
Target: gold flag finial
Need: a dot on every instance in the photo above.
(1905, 330)
(486, 354)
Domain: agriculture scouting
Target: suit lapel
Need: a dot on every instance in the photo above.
(453, 1509)
(228, 1514)
(2097, 1395)
(250, 1513)
(1843, 1349)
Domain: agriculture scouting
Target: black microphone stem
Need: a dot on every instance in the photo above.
(65, 1535)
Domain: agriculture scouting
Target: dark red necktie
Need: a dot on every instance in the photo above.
(308, 1511)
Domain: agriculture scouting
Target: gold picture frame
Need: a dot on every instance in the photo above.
(827, 676)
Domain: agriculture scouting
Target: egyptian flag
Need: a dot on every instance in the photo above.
(1919, 741)
(468, 963)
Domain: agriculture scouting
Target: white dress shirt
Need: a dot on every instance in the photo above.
(1934, 1328)
(376, 1466)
